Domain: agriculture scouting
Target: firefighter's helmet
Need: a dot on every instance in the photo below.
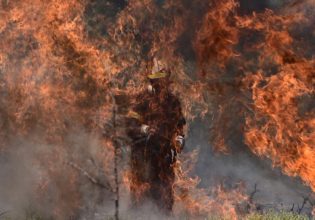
(159, 70)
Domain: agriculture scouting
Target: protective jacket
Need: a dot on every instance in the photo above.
(155, 125)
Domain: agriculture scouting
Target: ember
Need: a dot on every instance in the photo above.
(175, 109)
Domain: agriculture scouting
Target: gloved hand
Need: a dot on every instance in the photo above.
(180, 142)
(147, 130)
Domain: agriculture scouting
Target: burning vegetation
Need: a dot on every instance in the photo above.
(78, 78)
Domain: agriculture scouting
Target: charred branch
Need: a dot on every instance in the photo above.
(3, 213)
(251, 196)
(300, 209)
(91, 178)
(116, 164)
(116, 155)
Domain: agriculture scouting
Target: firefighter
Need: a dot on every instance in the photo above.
(155, 125)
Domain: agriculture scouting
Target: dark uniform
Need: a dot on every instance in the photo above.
(155, 126)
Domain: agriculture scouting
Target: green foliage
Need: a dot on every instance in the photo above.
(276, 216)
(271, 215)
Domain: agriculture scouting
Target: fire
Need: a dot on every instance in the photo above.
(51, 74)
(216, 37)
(132, 185)
(248, 73)
(276, 82)
(279, 129)
(197, 201)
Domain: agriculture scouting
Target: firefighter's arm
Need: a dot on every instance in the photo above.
(135, 126)
(180, 135)
(180, 138)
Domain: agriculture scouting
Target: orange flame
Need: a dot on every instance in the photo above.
(56, 78)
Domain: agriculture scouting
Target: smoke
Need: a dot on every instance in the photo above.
(60, 60)
(274, 189)
(18, 176)
(53, 182)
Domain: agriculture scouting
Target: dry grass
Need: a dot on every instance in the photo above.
(255, 216)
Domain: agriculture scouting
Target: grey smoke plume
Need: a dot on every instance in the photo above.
(274, 189)
(23, 171)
